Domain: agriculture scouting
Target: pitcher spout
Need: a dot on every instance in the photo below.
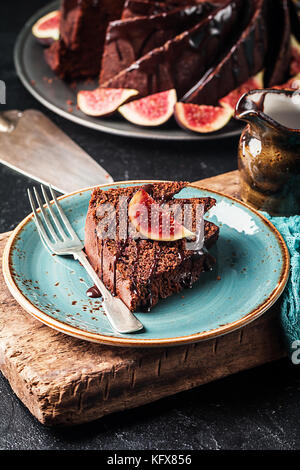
(276, 110)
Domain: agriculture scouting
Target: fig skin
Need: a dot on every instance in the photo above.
(47, 36)
(103, 102)
(210, 118)
(151, 111)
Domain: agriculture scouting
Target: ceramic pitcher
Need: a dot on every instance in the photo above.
(269, 150)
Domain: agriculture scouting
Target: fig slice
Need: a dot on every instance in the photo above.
(295, 59)
(46, 29)
(153, 110)
(103, 101)
(154, 221)
(202, 118)
(254, 83)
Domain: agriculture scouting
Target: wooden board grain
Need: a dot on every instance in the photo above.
(65, 381)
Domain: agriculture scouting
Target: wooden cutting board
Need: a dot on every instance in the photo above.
(66, 381)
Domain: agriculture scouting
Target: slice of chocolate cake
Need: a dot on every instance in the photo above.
(137, 269)
(182, 60)
(128, 40)
(246, 57)
(82, 33)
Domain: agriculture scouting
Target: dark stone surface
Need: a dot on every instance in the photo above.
(257, 409)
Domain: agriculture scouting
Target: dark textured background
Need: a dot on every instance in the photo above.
(258, 409)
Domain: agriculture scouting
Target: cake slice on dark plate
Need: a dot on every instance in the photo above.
(138, 269)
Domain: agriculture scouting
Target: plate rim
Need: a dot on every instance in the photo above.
(30, 308)
(143, 134)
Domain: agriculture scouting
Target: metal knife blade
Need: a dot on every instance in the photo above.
(33, 145)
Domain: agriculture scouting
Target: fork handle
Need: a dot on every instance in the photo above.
(122, 319)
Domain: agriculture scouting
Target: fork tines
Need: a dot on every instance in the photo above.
(54, 226)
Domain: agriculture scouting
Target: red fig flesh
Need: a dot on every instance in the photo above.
(103, 101)
(153, 110)
(153, 221)
(46, 29)
(202, 118)
(230, 101)
(295, 60)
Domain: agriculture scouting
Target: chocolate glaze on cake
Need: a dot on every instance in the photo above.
(136, 8)
(128, 40)
(245, 58)
(150, 48)
(141, 271)
(183, 59)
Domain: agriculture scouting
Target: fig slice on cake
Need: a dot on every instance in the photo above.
(103, 101)
(154, 221)
(254, 83)
(202, 118)
(46, 29)
(153, 110)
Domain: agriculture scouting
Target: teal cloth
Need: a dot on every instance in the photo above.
(289, 227)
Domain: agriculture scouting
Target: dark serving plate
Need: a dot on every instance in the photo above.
(56, 94)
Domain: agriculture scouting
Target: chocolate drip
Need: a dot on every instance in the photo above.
(101, 257)
(235, 68)
(93, 292)
(249, 50)
(187, 282)
(120, 55)
(209, 262)
(135, 264)
(137, 255)
(148, 188)
(120, 246)
(182, 251)
(148, 300)
(259, 105)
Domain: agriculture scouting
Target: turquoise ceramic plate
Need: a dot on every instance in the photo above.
(251, 272)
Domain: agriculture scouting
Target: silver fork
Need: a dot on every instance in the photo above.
(68, 243)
